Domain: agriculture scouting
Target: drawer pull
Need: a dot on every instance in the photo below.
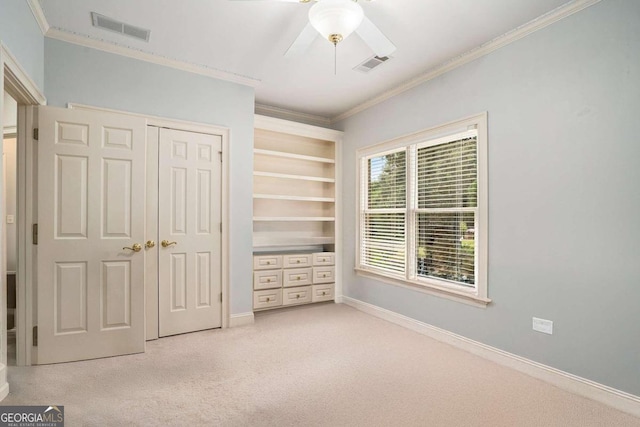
(324, 275)
(298, 278)
(324, 293)
(268, 262)
(268, 280)
(297, 261)
(297, 296)
(268, 299)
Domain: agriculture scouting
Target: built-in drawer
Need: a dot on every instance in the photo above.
(297, 260)
(324, 258)
(267, 279)
(267, 299)
(297, 276)
(265, 262)
(322, 292)
(299, 295)
(324, 274)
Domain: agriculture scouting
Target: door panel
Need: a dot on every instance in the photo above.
(189, 214)
(91, 206)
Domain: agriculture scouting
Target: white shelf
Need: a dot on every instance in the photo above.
(296, 198)
(265, 242)
(293, 218)
(295, 177)
(285, 155)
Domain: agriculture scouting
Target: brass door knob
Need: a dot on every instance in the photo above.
(137, 247)
(150, 244)
(166, 243)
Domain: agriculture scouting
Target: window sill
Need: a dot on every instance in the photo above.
(430, 289)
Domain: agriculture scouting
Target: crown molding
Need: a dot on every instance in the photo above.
(282, 113)
(36, 9)
(469, 56)
(86, 41)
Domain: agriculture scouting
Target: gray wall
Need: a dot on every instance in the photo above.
(88, 76)
(564, 242)
(9, 150)
(20, 32)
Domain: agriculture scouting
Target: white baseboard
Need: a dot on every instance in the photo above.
(617, 399)
(241, 319)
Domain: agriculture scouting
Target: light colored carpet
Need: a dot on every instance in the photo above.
(316, 365)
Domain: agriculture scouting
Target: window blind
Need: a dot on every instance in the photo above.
(447, 200)
(383, 210)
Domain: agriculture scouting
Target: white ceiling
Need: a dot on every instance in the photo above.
(249, 38)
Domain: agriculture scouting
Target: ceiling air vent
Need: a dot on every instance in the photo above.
(371, 63)
(111, 24)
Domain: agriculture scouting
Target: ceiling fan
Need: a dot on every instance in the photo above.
(335, 20)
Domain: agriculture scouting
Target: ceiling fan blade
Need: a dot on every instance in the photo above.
(302, 43)
(372, 36)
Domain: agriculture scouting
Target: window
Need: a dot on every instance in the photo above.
(422, 216)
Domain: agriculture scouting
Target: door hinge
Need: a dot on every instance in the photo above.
(34, 234)
(220, 152)
(220, 296)
(35, 133)
(35, 336)
(221, 227)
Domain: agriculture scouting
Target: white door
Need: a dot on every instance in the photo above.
(90, 209)
(189, 223)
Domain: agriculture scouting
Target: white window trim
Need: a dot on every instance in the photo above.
(477, 296)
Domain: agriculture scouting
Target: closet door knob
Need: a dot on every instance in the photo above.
(166, 243)
(150, 244)
(137, 247)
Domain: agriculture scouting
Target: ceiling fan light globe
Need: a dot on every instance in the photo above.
(336, 17)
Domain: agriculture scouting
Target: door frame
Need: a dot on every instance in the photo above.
(151, 282)
(16, 81)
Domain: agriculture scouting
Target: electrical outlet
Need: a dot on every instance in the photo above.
(543, 325)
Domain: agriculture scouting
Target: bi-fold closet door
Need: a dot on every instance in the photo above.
(94, 250)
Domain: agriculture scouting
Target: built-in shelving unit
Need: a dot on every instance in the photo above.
(294, 186)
